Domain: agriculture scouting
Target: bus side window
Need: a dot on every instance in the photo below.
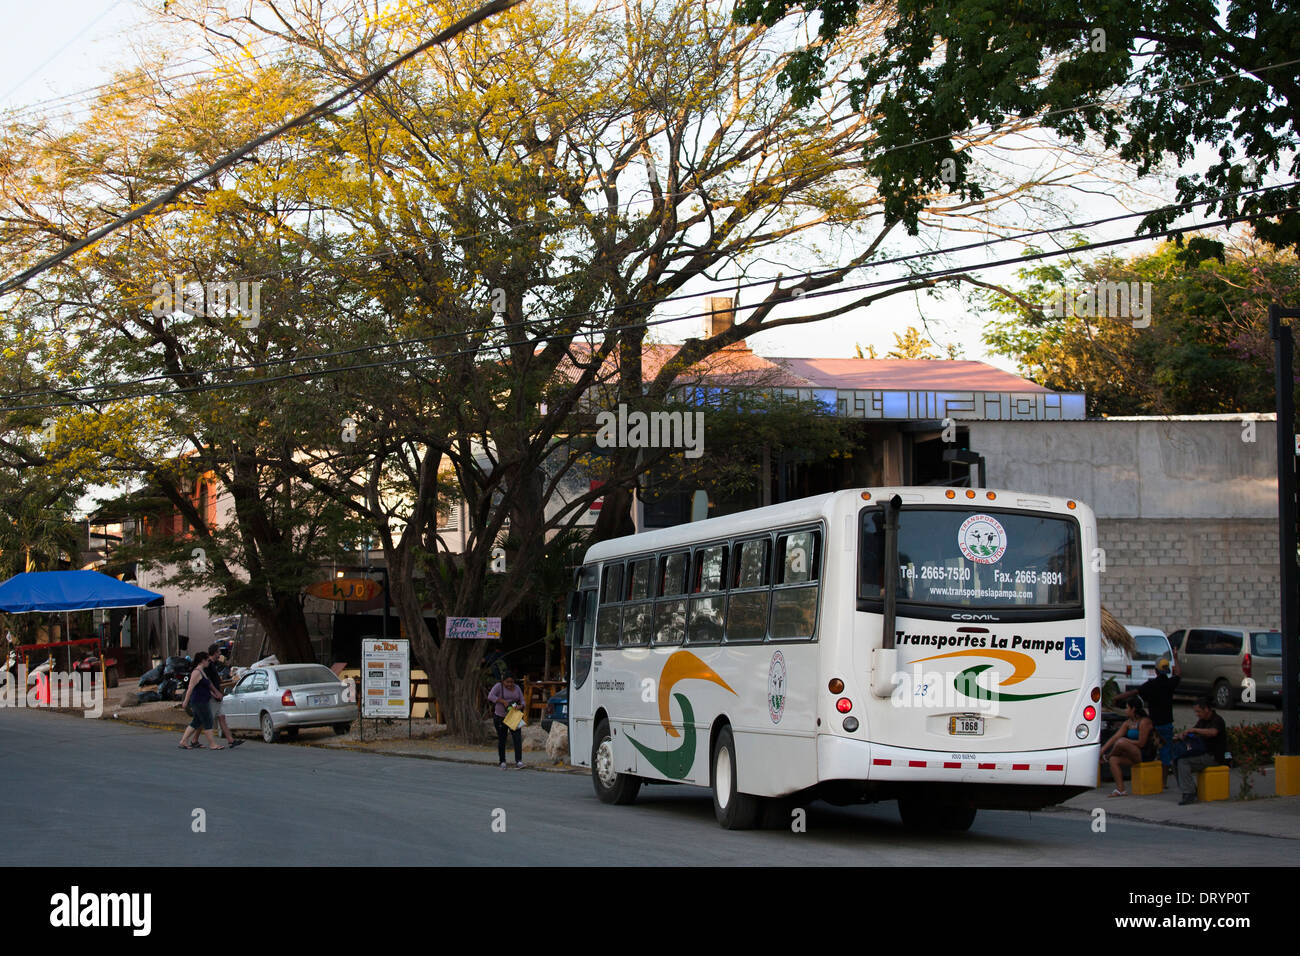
(638, 613)
(670, 609)
(751, 592)
(588, 617)
(709, 580)
(794, 599)
(611, 611)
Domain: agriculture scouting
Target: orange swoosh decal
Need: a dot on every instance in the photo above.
(1023, 664)
(682, 665)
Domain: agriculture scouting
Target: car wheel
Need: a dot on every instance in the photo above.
(269, 733)
(342, 729)
(611, 786)
(734, 810)
(110, 677)
(1223, 696)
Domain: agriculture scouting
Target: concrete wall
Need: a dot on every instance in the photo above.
(1187, 510)
(1125, 468)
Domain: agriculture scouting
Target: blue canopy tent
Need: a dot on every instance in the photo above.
(71, 591)
(68, 591)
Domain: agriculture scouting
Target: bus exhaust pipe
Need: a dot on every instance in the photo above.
(884, 659)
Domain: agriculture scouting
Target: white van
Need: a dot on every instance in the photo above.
(1129, 674)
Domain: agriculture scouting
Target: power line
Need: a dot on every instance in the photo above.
(482, 330)
(924, 277)
(371, 80)
(331, 105)
(731, 287)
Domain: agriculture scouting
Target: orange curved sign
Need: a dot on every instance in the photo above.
(346, 589)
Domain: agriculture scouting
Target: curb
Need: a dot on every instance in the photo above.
(1208, 828)
(562, 768)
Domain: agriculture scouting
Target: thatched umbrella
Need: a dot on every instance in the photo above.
(1114, 634)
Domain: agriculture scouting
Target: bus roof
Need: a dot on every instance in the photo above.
(803, 510)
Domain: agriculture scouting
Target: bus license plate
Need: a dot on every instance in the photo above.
(966, 726)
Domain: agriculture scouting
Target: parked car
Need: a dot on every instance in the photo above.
(287, 697)
(1131, 673)
(1215, 661)
(557, 708)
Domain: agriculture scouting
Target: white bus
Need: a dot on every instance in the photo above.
(766, 655)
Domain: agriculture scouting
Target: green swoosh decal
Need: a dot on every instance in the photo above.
(965, 683)
(674, 764)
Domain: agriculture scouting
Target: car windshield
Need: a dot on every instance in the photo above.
(306, 674)
(1151, 647)
(1266, 643)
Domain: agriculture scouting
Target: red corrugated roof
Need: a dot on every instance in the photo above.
(934, 375)
(738, 364)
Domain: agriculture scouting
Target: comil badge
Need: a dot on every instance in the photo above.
(982, 539)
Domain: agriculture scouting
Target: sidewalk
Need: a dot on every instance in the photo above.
(1267, 815)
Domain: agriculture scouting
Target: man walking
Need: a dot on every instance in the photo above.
(1207, 744)
(213, 668)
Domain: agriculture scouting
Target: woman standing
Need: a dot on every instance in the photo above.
(1133, 743)
(505, 695)
(198, 694)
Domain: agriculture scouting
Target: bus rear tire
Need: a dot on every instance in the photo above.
(733, 809)
(611, 786)
(925, 816)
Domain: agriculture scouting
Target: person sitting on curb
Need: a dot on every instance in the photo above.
(1206, 744)
(1133, 743)
(1158, 695)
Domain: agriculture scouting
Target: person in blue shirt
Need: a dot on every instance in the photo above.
(1133, 743)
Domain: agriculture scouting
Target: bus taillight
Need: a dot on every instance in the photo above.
(844, 705)
(1089, 712)
(835, 686)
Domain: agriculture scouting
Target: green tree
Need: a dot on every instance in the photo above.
(1206, 350)
(1153, 79)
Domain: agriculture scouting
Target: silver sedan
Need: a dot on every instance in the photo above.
(286, 697)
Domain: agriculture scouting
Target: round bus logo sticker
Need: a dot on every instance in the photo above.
(776, 688)
(982, 539)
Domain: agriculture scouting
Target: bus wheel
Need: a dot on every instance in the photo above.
(956, 818)
(926, 816)
(734, 810)
(917, 814)
(611, 786)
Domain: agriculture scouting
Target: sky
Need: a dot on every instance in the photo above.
(59, 48)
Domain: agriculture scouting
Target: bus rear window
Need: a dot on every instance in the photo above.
(950, 557)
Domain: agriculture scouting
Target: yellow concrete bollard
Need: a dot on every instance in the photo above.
(1212, 784)
(1148, 778)
(1286, 775)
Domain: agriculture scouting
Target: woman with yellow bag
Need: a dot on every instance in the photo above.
(508, 715)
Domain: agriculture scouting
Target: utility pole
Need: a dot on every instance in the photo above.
(1287, 763)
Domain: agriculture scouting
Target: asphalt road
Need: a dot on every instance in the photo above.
(84, 793)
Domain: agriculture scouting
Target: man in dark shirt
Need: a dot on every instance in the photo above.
(1158, 694)
(1213, 733)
